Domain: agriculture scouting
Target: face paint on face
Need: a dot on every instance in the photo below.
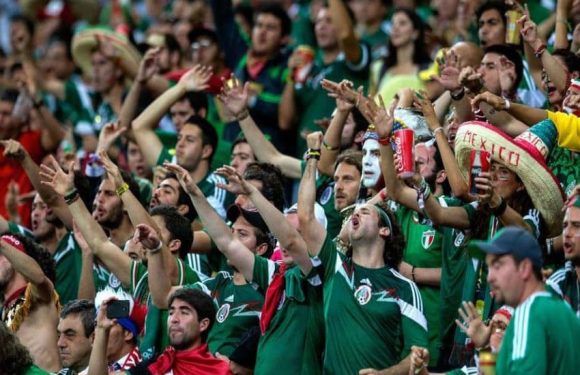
(371, 163)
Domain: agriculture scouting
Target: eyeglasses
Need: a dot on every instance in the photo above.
(201, 44)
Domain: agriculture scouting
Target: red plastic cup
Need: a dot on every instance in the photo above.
(404, 147)
(479, 161)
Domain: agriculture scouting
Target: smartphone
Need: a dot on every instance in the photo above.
(118, 309)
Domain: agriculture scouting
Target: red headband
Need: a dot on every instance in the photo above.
(504, 312)
(14, 242)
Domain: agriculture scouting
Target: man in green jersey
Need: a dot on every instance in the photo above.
(564, 281)
(291, 320)
(532, 344)
(373, 315)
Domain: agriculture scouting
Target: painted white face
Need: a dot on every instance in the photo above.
(371, 163)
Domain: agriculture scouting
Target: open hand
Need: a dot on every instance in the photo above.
(234, 96)
(149, 65)
(236, 183)
(184, 178)
(112, 169)
(196, 79)
(52, 175)
(472, 325)
(378, 115)
(147, 236)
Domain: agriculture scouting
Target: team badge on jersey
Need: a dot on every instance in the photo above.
(223, 313)
(363, 294)
(325, 196)
(114, 282)
(427, 238)
(459, 239)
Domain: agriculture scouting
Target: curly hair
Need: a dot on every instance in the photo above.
(39, 254)
(14, 357)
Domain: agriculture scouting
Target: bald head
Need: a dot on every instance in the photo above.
(469, 53)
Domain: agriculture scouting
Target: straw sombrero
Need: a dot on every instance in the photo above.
(85, 42)
(525, 155)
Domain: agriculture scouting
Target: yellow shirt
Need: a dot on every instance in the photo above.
(568, 127)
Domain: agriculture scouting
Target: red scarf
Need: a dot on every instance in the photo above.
(273, 297)
(197, 361)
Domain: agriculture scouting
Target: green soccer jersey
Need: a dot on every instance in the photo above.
(238, 309)
(294, 340)
(564, 283)
(542, 338)
(423, 250)
(68, 258)
(155, 337)
(372, 316)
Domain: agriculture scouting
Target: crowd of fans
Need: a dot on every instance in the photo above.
(216, 187)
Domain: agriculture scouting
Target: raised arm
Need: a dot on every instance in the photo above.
(523, 113)
(458, 184)
(396, 189)
(87, 288)
(109, 253)
(42, 287)
(310, 229)
(288, 236)
(331, 143)
(238, 254)
(347, 39)
(98, 359)
(143, 126)
(14, 150)
(235, 99)
(137, 213)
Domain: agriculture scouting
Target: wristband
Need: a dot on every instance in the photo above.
(506, 103)
(385, 141)
(122, 189)
(459, 95)
(328, 147)
(157, 249)
(500, 209)
(540, 51)
(71, 196)
(313, 154)
(242, 116)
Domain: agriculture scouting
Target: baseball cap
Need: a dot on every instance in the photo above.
(252, 217)
(514, 241)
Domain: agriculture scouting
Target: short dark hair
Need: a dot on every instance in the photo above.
(172, 44)
(277, 11)
(571, 60)
(39, 254)
(183, 198)
(197, 101)
(85, 309)
(177, 225)
(15, 357)
(350, 157)
(271, 178)
(64, 36)
(537, 271)
(200, 302)
(512, 55)
(489, 5)
(208, 133)
(20, 18)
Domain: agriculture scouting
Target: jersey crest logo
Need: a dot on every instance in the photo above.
(427, 238)
(363, 294)
(223, 313)
(326, 194)
(114, 282)
(459, 239)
